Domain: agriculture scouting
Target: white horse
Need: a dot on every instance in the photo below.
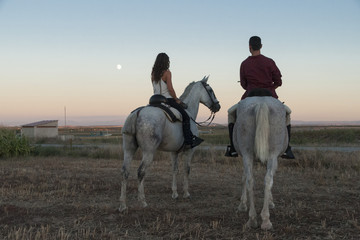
(259, 133)
(151, 130)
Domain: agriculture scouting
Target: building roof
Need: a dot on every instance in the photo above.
(40, 123)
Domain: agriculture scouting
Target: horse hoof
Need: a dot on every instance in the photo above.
(186, 195)
(144, 204)
(266, 225)
(175, 196)
(242, 208)
(122, 209)
(252, 224)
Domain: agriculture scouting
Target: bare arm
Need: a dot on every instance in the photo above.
(167, 78)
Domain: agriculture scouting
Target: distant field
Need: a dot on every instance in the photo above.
(329, 136)
(105, 142)
(218, 135)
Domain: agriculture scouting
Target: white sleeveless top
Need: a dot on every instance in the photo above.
(161, 88)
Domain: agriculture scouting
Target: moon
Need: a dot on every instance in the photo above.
(118, 66)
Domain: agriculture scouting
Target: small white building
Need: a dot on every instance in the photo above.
(42, 129)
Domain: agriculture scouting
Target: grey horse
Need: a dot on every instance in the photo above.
(151, 130)
(259, 133)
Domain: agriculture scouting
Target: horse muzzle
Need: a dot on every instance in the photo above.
(215, 107)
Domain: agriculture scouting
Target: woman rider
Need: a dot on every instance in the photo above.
(162, 84)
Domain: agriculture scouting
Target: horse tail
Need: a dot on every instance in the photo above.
(262, 132)
(129, 127)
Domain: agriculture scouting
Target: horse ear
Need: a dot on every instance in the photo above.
(205, 78)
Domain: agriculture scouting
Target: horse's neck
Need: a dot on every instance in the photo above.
(193, 101)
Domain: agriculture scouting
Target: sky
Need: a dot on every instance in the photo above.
(64, 54)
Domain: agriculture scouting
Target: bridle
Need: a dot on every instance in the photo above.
(211, 93)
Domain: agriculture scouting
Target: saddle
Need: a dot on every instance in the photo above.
(161, 102)
(158, 100)
(260, 92)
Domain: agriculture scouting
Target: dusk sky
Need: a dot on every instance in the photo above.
(65, 53)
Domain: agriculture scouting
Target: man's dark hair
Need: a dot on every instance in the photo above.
(255, 42)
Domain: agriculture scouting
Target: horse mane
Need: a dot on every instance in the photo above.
(187, 91)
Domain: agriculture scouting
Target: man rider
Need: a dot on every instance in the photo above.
(261, 75)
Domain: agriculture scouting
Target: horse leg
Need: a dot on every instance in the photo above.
(187, 169)
(175, 171)
(145, 163)
(265, 215)
(129, 148)
(271, 201)
(243, 201)
(248, 165)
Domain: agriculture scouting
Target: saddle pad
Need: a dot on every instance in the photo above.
(176, 113)
(171, 113)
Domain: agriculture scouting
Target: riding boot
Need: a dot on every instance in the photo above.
(196, 141)
(187, 134)
(288, 154)
(190, 139)
(230, 149)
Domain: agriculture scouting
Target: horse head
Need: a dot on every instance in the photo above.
(200, 92)
(208, 98)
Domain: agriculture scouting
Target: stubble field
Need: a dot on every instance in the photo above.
(316, 197)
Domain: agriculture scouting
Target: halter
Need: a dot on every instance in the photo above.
(211, 93)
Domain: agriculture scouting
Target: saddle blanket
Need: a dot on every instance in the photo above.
(171, 113)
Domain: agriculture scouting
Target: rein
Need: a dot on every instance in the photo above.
(212, 114)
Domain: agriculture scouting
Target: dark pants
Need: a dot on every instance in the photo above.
(186, 120)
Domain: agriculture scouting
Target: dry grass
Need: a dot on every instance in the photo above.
(316, 197)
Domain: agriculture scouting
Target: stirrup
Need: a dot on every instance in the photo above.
(230, 152)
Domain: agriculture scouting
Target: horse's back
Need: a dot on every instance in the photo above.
(273, 104)
(153, 129)
(245, 127)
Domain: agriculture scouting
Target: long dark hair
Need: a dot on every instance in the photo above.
(161, 64)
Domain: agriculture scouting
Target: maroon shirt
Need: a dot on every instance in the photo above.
(259, 72)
